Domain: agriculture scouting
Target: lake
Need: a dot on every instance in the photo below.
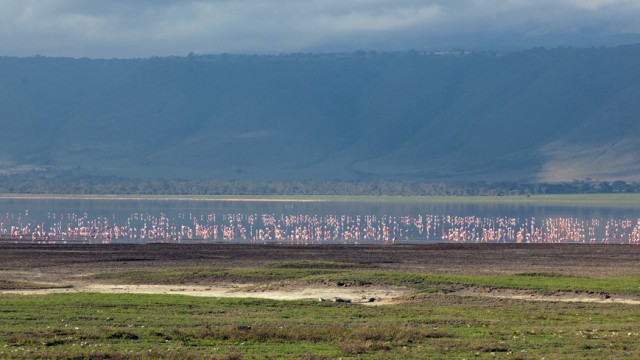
(107, 220)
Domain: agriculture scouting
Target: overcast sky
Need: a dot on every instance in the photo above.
(142, 28)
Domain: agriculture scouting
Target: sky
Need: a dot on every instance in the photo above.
(144, 28)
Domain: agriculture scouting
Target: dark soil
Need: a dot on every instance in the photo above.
(56, 262)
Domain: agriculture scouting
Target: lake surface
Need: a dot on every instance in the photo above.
(313, 222)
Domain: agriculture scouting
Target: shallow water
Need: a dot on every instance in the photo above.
(349, 222)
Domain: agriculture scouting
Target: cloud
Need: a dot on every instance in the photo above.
(597, 4)
(124, 28)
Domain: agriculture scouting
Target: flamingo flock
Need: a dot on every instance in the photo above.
(313, 229)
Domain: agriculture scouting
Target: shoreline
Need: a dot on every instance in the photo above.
(562, 199)
(155, 197)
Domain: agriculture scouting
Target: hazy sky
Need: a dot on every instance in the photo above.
(141, 28)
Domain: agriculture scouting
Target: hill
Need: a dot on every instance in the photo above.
(536, 115)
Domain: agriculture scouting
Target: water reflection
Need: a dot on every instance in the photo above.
(175, 221)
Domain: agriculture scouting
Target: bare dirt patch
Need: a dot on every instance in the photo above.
(62, 264)
(366, 295)
(60, 261)
(561, 296)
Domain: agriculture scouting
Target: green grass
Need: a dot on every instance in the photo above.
(431, 325)
(306, 264)
(327, 272)
(582, 199)
(203, 275)
(22, 285)
(544, 284)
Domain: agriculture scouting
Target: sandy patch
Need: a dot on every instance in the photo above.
(559, 296)
(363, 295)
(369, 295)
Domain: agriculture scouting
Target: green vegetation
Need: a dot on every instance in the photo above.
(442, 326)
(208, 275)
(582, 199)
(431, 322)
(580, 191)
(333, 273)
(306, 264)
(18, 284)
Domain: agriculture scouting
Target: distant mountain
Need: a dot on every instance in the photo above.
(537, 115)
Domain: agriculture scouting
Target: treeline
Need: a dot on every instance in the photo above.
(106, 186)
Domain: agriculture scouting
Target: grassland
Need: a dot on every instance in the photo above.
(427, 325)
(336, 273)
(430, 322)
(21, 284)
(434, 319)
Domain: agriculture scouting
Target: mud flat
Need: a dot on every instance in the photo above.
(64, 268)
(55, 262)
